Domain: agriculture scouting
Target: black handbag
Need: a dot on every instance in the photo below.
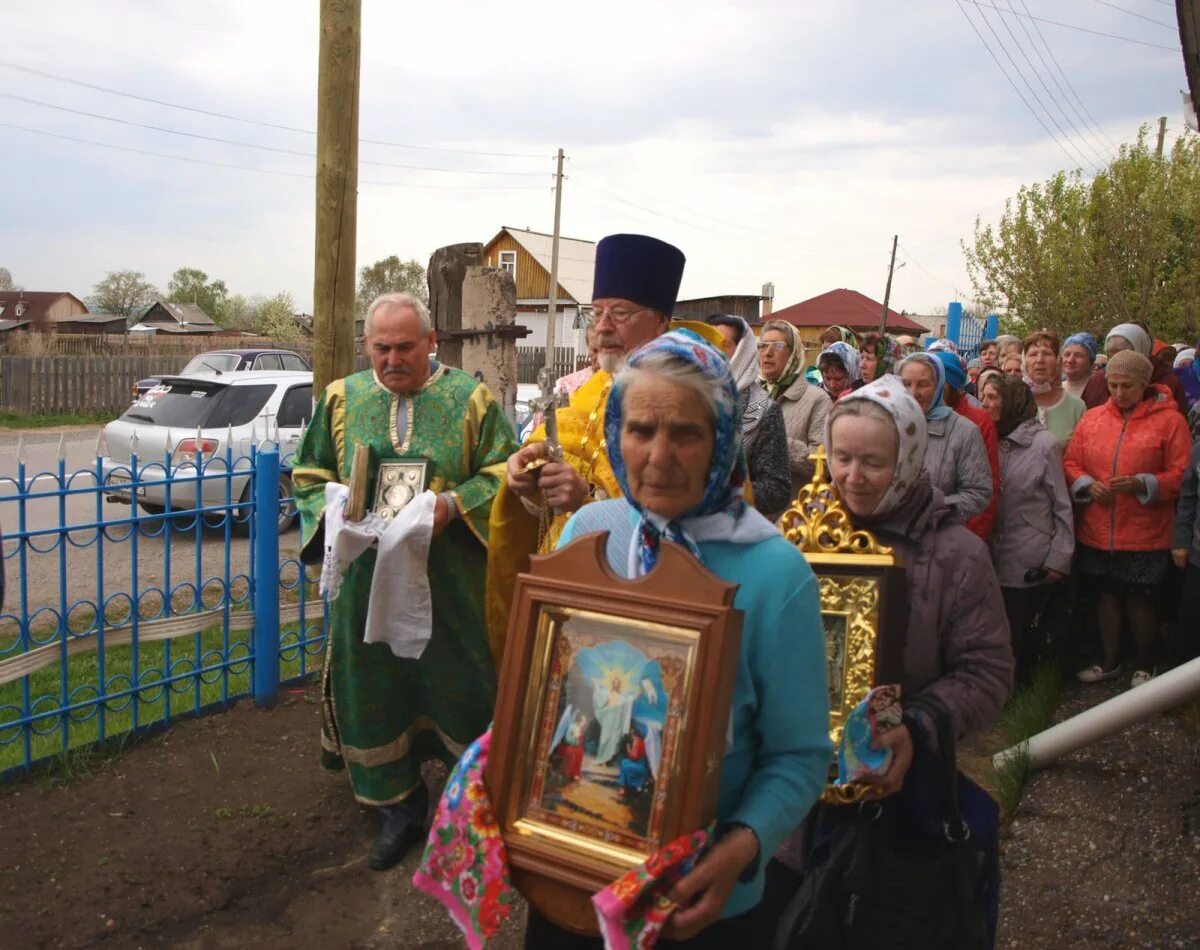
(910, 871)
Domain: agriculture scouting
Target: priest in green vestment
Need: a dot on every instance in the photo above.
(382, 715)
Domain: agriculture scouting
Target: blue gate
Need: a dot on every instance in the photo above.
(124, 613)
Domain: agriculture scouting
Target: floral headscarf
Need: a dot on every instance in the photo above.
(887, 355)
(1017, 404)
(791, 372)
(847, 335)
(845, 354)
(721, 513)
(938, 408)
(889, 393)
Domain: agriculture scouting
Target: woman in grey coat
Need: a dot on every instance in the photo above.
(956, 459)
(1033, 540)
(764, 436)
(957, 644)
(804, 406)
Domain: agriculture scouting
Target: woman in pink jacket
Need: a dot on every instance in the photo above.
(1124, 464)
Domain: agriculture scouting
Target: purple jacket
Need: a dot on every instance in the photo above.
(1035, 524)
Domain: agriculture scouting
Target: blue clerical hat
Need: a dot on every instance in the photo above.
(638, 268)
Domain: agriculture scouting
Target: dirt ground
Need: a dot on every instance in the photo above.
(224, 833)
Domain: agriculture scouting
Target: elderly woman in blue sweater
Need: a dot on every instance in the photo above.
(674, 439)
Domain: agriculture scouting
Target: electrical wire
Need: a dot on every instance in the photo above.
(1072, 26)
(263, 148)
(235, 118)
(1021, 49)
(1070, 85)
(251, 168)
(1017, 90)
(1106, 3)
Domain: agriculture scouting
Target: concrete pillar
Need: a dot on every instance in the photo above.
(489, 302)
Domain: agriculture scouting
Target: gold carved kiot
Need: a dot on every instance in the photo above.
(817, 523)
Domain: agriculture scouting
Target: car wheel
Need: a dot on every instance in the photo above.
(287, 508)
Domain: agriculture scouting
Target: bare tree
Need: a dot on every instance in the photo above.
(6, 281)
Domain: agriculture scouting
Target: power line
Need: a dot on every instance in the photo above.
(1072, 26)
(1106, 3)
(1070, 85)
(1049, 94)
(236, 118)
(1016, 89)
(940, 280)
(263, 148)
(251, 168)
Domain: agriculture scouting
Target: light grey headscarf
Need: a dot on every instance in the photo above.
(745, 369)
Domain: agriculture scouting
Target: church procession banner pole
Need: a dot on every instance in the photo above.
(546, 377)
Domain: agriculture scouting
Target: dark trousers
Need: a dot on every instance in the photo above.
(1020, 604)
(1187, 626)
(780, 885)
(732, 933)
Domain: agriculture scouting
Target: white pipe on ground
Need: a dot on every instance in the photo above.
(1161, 693)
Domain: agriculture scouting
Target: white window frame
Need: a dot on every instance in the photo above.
(508, 261)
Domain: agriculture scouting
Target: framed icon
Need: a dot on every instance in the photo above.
(397, 483)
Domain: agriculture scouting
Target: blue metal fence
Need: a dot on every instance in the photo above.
(122, 617)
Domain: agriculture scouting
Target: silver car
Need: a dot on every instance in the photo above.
(216, 420)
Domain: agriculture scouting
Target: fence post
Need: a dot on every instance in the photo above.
(266, 577)
(954, 322)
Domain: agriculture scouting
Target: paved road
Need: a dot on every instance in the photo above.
(98, 565)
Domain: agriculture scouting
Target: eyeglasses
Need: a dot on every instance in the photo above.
(617, 315)
(775, 345)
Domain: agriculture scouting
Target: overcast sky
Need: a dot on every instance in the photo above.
(771, 141)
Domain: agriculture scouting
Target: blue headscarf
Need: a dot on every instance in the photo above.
(938, 409)
(1086, 340)
(721, 513)
(956, 373)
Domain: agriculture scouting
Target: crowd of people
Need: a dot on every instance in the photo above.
(1030, 475)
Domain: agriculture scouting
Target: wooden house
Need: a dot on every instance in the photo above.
(41, 308)
(168, 316)
(526, 255)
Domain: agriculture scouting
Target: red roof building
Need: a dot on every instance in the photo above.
(845, 308)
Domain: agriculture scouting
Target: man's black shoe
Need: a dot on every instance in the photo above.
(400, 832)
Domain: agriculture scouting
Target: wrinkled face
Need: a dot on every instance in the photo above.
(867, 362)
(988, 355)
(834, 377)
(990, 400)
(921, 383)
(1076, 362)
(399, 351)
(729, 336)
(667, 442)
(1010, 348)
(1041, 365)
(1115, 344)
(621, 327)
(772, 357)
(862, 460)
(1126, 391)
(1011, 366)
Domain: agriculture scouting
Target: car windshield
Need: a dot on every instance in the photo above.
(191, 405)
(213, 363)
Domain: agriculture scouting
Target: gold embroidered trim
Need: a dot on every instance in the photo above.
(399, 747)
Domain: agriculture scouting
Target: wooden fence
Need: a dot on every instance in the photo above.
(530, 359)
(51, 385)
(121, 344)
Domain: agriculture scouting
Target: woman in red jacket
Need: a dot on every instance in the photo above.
(1124, 464)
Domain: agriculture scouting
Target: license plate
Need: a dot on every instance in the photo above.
(121, 484)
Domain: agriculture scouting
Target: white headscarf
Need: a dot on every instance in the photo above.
(889, 393)
(1137, 338)
(1187, 354)
(745, 369)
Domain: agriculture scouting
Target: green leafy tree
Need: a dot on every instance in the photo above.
(277, 319)
(6, 281)
(391, 275)
(1071, 254)
(126, 292)
(190, 285)
(241, 313)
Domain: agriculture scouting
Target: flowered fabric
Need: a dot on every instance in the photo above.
(633, 909)
(887, 354)
(845, 354)
(938, 408)
(858, 755)
(847, 335)
(941, 346)
(791, 372)
(888, 393)
(722, 505)
(465, 865)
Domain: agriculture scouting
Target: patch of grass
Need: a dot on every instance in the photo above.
(191, 658)
(1027, 713)
(12, 420)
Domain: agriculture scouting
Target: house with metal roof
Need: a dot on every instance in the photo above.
(42, 308)
(526, 255)
(843, 308)
(169, 316)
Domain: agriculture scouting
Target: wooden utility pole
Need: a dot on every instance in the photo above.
(337, 191)
(1162, 135)
(552, 296)
(887, 293)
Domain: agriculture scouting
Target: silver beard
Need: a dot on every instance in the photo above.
(612, 363)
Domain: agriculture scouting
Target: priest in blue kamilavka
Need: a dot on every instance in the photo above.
(388, 708)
